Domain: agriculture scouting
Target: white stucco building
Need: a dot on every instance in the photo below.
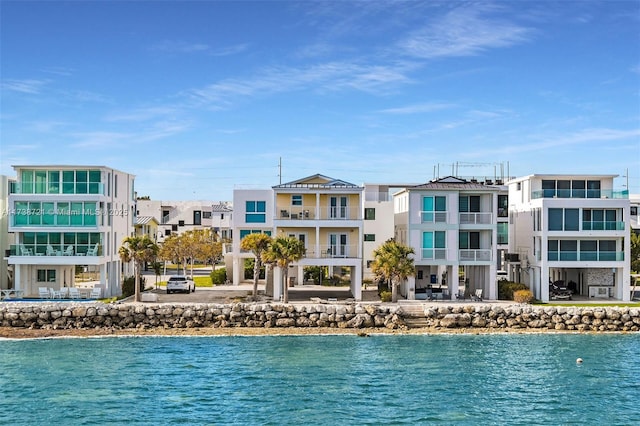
(570, 228)
(63, 217)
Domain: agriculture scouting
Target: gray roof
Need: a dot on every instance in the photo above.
(221, 208)
(144, 220)
(451, 182)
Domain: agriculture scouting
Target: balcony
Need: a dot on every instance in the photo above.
(434, 254)
(484, 218)
(66, 188)
(295, 213)
(474, 255)
(579, 193)
(44, 250)
(433, 217)
(603, 226)
(334, 251)
(585, 256)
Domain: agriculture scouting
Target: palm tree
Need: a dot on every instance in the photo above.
(256, 243)
(139, 250)
(393, 263)
(282, 252)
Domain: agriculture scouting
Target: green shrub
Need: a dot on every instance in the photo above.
(219, 276)
(385, 296)
(506, 289)
(522, 296)
(129, 285)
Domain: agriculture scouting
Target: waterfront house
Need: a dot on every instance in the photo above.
(66, 219)
(451, 223)
(323, 212)
(573, 229)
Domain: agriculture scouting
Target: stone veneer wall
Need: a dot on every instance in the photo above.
(45, 315)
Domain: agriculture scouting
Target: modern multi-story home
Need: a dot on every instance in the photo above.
(146, 226)
(66, 217)
(451, 224)
(573, 229)
(378, 224)
(6, 280)
(176, 217)
(221, 215)
(634, 218)
(324, 213)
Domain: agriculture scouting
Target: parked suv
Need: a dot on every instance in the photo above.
(180, 283)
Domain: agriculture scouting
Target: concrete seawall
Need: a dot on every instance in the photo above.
(87, 315)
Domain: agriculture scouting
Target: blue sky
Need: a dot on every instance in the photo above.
(196, 98)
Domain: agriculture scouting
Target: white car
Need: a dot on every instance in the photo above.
(180, 283)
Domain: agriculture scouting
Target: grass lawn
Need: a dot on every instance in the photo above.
(200, 282)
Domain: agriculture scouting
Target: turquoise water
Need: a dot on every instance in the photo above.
(324, 380)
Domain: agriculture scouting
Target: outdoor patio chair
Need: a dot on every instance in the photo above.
(74, 293)
(96, 292)
(68, 251)
(64, 293)
(43, 292)
(477, 297)
(93, 251)
(25, 251)
(460, 295)
(50, 250)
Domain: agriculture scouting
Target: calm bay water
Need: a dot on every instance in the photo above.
(326, 380)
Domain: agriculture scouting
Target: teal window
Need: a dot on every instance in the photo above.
(469, 240)
(296, 200)
(21, 217)
(76, 214)
(40, 182)
(63, 214)
(54, 182)
(68, 182)
(431, 241)
(431, 205)
(503, 233)
(94, 182)
(48, 216)
(26, 181)
(245, 232)
(89, 212)
(255, 212)
(555, 219)
(469, 203)
(82, 181)
(35, 213)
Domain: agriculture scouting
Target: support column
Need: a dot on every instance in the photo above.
(356, 282)
(237, 261)
(411, 288)
(277, 284)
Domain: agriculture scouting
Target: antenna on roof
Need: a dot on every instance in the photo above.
(280, 170)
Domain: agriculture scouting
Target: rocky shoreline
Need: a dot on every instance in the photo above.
(50, 319)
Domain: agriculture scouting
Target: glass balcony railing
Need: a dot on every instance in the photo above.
(603, 226)
(434, 254)
(69, 188)
(311, 213)
(55, 250)
(484, 218)
(584, 256)
(579, 193)
(476, 255)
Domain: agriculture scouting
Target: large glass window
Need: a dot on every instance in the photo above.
(430, 205)
(54, 182)
(255, 212)
(40, 182)
(555, 219)
(568, 250)
(469, 203)
(503, 205)
(68, 182)
(369, 213)
(82, 181)
(94, 182)
(48, 214)
(593, 189)
(469, 240)
(26, 181)
(571, 220)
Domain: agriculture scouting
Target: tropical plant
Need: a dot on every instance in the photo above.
(393, 263)
(219, 276)
(256, 243)
(635, 252)
(139, 249)
(157, 270)
(282, 252)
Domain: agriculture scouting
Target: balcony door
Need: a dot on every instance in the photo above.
(338, 207)
(338, 245)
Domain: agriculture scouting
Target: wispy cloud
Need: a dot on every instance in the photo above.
(230, 50)
(418, 108)
(32, 87)
(61, 71)
(142, 114)
(464, 31)
(327, 77)
(179, 47)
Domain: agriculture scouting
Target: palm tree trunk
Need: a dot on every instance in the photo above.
(256, 273)
(285, 287)
(137, 283)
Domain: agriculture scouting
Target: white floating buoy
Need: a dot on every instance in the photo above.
(579, 361)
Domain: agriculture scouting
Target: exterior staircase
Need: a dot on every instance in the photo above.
(413, 315)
